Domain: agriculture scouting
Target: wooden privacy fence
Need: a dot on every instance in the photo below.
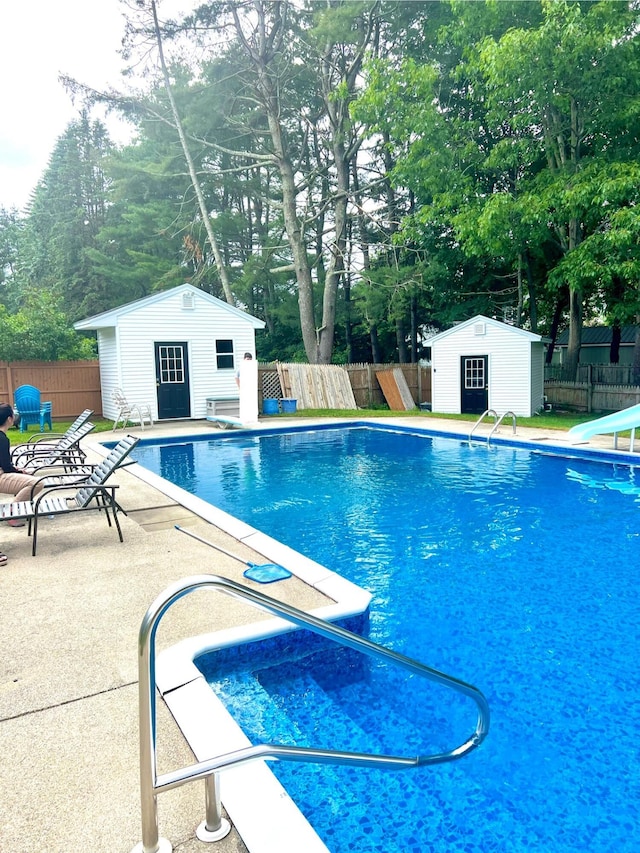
(595, 374)
(75, 385)
(72, 386)
(589, 397)
(366, 388)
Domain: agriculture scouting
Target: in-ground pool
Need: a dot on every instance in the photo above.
(513, 569)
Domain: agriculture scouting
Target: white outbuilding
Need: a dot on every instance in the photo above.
(483, 364)
(177, 351)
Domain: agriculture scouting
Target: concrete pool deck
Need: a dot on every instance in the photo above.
(68, 693)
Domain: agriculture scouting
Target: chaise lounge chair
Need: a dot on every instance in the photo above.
(66, 452)
(93, 494)
(52, 438)
(78, 475)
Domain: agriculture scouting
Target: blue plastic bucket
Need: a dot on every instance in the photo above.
(288, 406)
(270, 406)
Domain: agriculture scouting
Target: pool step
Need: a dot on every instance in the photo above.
(327, 791)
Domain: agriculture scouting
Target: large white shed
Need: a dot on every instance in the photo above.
(484, 364)
(172, 350)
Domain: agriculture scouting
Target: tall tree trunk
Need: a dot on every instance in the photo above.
(326, 332)
(414, 329)
(376, 352)
(403, 356)
(614, 349)
(561, 304)
(193, 175)
(575, 335)
(531, 288)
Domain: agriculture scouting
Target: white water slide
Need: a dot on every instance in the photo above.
(615, 423)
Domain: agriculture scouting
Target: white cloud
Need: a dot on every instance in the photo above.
(39, 39)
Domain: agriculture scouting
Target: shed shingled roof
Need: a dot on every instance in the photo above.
(594, 336)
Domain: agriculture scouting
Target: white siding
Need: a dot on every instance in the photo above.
(509, 365)
(109, 371)
(167, 321)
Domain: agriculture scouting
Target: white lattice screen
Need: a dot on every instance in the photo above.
(271, 386)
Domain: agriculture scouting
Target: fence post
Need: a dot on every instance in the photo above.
(589, 388)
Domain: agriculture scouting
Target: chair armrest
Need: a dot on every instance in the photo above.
(65, 479)
(45, 494)
(41, 436)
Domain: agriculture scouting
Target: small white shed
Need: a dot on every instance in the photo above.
(172, 350)
(484, 364)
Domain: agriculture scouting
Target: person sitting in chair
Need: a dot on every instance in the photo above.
(13, 481)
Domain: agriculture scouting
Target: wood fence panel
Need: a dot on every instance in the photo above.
(71, 386)
(395, 389)
(587, 397)
(366, 389)
(317, 386)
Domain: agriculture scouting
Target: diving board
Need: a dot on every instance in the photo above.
(224, 422)
(627, 419)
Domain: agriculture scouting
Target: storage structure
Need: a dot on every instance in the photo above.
(177, 351)
(484, 364)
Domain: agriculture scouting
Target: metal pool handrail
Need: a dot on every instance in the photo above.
(485, 414)
(151, 784)
(499, 421)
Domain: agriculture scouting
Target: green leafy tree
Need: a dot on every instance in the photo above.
(40, 331)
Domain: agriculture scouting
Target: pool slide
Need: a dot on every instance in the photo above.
(615, 423)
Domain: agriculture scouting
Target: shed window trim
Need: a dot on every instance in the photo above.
(224, 354)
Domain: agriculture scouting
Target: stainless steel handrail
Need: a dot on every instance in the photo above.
(481, 418)
(497, 424)
(151, 784)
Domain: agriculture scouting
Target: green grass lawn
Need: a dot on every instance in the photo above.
(545, 420)
(59, 427)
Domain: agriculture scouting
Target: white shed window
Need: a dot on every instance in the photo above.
(474, 373)
(224, 354)
(171, 360)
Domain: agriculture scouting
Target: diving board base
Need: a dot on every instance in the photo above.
(224, 422)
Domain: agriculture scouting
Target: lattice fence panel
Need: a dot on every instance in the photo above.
(271, 386)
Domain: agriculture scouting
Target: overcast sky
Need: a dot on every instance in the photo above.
(39, 39)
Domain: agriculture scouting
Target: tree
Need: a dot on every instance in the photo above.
(40, 331)
(66, 211)
(504, 124)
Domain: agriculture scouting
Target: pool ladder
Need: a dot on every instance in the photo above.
(496, 423)
(215, 827)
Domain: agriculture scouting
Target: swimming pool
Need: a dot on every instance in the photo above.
(515, 569)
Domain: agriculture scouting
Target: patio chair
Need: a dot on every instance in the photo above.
(66, 452)
(50, 438)
(92, 495)
(130, 411)
(32, 410)
(78, 475)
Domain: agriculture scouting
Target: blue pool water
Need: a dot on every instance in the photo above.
(512, 569)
